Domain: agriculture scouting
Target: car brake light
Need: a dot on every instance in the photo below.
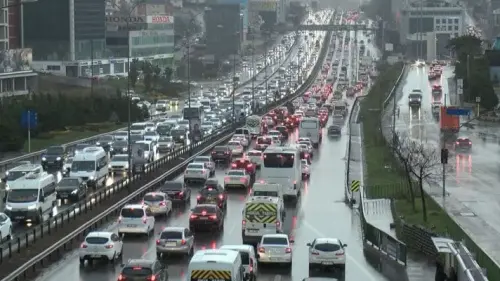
(183, 242)
(142, 202)
(470, 142)
(262, 250)
(121, 277)
(339, 254)
(181, 193)
(83, 246)
(213, 152)
(251, 265)
(458, 142)
(221, 196)
(152, 278)
(316, 253)
(226, 179)
(278, 224)
(213, 217)
(249, 166)
(198, 197)
(243, 180)
(110, 246)
(158, 242)
(204, 213)
(233, 165)
(163, 203)
(120, 219)
(193, 217)
(144, 220)
(306, 155)
(243, 222)
(288, 250)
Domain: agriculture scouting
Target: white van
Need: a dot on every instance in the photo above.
(19, 172)
(254, 124)
(309, 127)
(216, 264)
(136, 219)
(31, 196)
(248, 259)
(261, 215)
(91, 165)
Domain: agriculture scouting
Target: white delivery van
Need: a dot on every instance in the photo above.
(91, 165)
(216, 264)
(31, 196)
(261, 215)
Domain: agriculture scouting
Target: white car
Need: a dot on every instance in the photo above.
(327, 253)
(196, 172)
(306, 169)
(165, 144)
(236, 147)
(237, 178)
(256, 157)
(209, 163)
(136, 219)
(305, 140)
(67, 166)
(275, 248)
(150, 127)
(162, 105)
(101, 245)
(158, 203)
(274, 133)
(242, 138)
(118, 164)
(5, 227)
(151, 136)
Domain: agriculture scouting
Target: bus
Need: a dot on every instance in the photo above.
(309, 127)
(281, 165)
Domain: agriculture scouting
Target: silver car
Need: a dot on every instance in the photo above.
(209, 163)
(174, 240)
(275, 249)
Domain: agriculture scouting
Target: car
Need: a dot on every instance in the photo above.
(275, 134)
(255, 156)
(158, 203)
(306, 168)
(176, 191)
(101, 245)
(237, 178)
(72, 188)
(119, 164)
(263, 142)
(245, 164)
(165, 144)
(334, 131)
(275, 249)
(213, 193)
(136, 219)
(152, 136)
(54, 157)
(106, 142)
(67, 166)
(276, 141)
(206, 216)
(236, 147)
(326, 253)
(174, 240)
(196, 172)
(119, 147)
(305, 151)
(283, 130)
(463, 144)
(5, 227)
(80, 147)
(143, 269)
(242, 139)
(209, 163)
(222, 153)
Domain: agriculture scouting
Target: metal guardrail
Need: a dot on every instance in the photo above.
(35, 156)
(136, 194)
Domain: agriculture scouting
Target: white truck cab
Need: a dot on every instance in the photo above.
(19, 172)
(31, 196)
(91, 165)
(216, 264)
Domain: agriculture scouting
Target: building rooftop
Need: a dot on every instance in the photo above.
(431, 4)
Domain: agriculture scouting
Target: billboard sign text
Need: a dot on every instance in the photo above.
(119, 19)
(264, 6)
(15, 60)
(160, 19)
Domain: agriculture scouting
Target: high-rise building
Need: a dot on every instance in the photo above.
(224, 30)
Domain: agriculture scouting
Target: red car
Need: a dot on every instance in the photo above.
(245, 164)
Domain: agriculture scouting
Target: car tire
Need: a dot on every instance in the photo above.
(158, 256)
(82, 262)
(113, 259)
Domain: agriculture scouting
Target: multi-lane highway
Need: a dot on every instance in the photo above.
(320, 212)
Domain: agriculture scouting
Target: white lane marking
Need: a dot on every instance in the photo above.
(353, 260)
(277, 278)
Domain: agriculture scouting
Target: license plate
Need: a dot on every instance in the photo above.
(234, 178)
(171, 244)
(19, 217)
(253, 230)
(275, 259)
(95, 256)
(63, 195)
(327, 263)
(203, 218)
(130, 225)
(155, 209)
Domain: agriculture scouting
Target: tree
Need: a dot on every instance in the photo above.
(147, 71)
(398, 146)
(133, 73)
(156, 75)
(168, 74)
(422, 162)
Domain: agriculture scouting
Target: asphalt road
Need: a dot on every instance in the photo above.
(320, 212)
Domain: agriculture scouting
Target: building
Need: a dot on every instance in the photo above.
(271, 12)
(426, 28)
(224, 30)
(90, 37)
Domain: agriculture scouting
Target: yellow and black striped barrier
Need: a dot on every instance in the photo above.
(210, 275)
(355, 185)
(261, 213)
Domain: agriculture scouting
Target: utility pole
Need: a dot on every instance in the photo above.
(234, 88)
(265, 70)
(253, 71)
(92, 66)
(129, 98)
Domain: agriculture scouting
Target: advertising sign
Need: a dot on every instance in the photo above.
(263, 6)
(15, 60)
(160, 19)
(124, 20)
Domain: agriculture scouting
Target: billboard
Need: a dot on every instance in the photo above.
(263, 6)
(121, 20)
(15, 60)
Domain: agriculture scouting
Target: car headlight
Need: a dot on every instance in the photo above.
(7, 173)
(7, 187)
(32, 207)
(58, 158)
(7, 207)
(74, 191)
(109, 166)
(91, 178)
(44, 159)
(125, 149)
(182, 137)
(97, 143)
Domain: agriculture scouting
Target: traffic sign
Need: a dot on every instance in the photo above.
(458, 111)
(478, 99)
(355, 185)
(29, 119)
(460, 83)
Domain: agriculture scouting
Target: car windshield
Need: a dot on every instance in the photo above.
(153, 197)
(275, 241)
(81, 146)
(121, 134)
(415, 96)
(97, 240)
(220, 148)
(235, 173)
(16, 175)
(245, 258)
(177, 133)
(265, 193)
(83, 166)
(69, 182)
(22, 195)
(132, 213)
(171, 235)
(119, 158)
(254, 153)
(120, 144)
(55, 150)
(209, 191)
(195, 166)
(165, 139)
(134, 138)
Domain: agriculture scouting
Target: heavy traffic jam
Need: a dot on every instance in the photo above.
(268, 164)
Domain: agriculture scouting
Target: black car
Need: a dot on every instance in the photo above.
(72, 189)
(177, 192)
(415, 99)
(119, 147)
(222, 153)
(213, 193)
(334, 131)
(106, 142)
(54, 157)
(206, 216)
(142, 269)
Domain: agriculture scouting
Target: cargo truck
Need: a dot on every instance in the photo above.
(448, 123)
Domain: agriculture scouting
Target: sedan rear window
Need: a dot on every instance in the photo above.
(97, 240)
(132, 213)
(254, 153)
(137, 271)
(171, 235)
(327, 247)
(153, 197)
(220, 148)
(201, 209)
(275, 241)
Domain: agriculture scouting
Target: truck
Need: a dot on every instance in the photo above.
(448, 123)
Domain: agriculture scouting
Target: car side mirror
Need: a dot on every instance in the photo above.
(291, 241)
(345, 245)
(309, 244)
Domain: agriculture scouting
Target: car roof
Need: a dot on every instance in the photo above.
(277, 235)
(328, 240)
(246, 248)
(133, 206)
(140, 262)
(99, 234)
(173, 229)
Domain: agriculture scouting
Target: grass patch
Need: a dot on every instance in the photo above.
(70, 135)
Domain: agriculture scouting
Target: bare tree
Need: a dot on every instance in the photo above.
(398, 146)
(420, 161)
